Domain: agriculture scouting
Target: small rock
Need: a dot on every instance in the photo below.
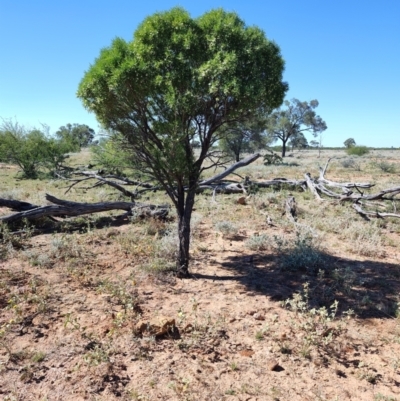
(157, 326)
(258, 316)
(272, 364)
(246, 352)
(241, 200)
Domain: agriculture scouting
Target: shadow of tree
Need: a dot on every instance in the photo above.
(368, 287)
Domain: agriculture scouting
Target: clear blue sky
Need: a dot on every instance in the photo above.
(344, 53)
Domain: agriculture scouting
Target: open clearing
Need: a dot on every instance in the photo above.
(91, 312)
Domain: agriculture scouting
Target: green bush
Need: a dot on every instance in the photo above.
(272, 158)
(357, 150)
(304, 253)
(30, 149)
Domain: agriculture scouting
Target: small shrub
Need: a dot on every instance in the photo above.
(357, 150)
(167, 247)
(226, 228)
(258, 242)
(351, 163)
(316, 325)
(38, 357)
(386, 167)
(272, 158)
(304, 253)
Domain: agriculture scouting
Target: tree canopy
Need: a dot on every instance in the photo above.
(178, 81)
(77, 135)
(298, 141)
(297, 118)
(349, 142)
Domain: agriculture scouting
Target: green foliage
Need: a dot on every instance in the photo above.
(179, 81)
(349, 142)
(76, 136)
(30, 149)
(316, 325)
(272, 158)
(298, 141)
(302, 254)
(357, 150)
(177, 72)
(110, 157)
(298, 117)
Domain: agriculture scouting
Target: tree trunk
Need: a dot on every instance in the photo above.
(283, 148)
(184, 211)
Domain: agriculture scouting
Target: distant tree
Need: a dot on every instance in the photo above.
(298, 117)
(78, 135)
(298, 141)
(244, 136)
(30, 149)
(349, 142)
(182, 79)
(314, 143)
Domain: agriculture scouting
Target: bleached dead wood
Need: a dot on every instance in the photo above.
(311, 186)
(62, 208)
(380, 195)
(291, 208)
(218, 177)
(379, 215)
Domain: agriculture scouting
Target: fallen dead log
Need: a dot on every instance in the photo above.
(323, 180)
(367, 214)
(380, 195)
(223, 188)
(63, 208)
(16, 205)
(280, 181)
(311, 186)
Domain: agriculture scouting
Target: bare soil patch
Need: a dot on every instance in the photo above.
(92, 313)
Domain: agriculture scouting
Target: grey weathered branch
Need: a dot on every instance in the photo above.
(311, 186)
(67, 208)
(230, 169)
(379, 215)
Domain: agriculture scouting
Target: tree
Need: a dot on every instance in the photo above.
(298, 141)
(30, 149)
(77, 135)
(314, 143)
(181, 80)
(349, 143)
(298, 117)
(243, 136)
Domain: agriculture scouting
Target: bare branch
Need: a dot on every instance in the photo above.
(229, 170)
(379, 215)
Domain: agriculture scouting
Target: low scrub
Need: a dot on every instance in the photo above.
(304, 253)
(357, 150)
